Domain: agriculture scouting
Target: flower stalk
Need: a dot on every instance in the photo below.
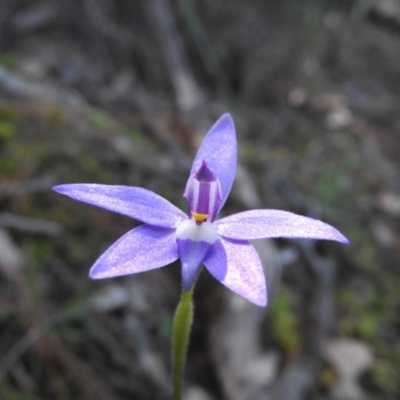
(180, 339)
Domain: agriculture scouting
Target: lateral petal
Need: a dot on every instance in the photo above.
(141, 249)
(235, 263)
(219, 151)
(258, 224)
(138, 203)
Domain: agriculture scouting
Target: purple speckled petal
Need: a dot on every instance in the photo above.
(219, 151)
(192, 254)
(236, 264)
(141, 249)
(258, 224)
(134, 202)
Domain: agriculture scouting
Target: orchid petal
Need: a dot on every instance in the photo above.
(258, 224)
(134, 202)
(219, 151)
(141, 249)
(192, 254)
(235, 263)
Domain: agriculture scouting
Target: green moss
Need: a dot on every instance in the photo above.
(9, 393)
(40, 250)
(135, 135)
(8, 113)
(54, 117)
(332, 183)
(284, 323)
(357, 235)
(8, 166)
(8, 127)
(7, 60)
(365, 326)
(37, 251)
(7, 130)
(368, 309)
(280, 153)
(99, 120)
(363, 312)
(329, 377)
(103, 121)
(249, 151)
(385, 376)
(89, 164)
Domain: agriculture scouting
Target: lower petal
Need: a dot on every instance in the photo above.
(141, 249)
(235, 263)
(192, 254)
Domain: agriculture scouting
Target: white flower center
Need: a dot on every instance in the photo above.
(204, 232)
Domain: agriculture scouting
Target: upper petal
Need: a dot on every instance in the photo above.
(219, 151)
(141, 249)
(258, 224)
(135, 202)
(235, 263)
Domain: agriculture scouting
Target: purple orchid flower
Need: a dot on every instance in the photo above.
(196, 238)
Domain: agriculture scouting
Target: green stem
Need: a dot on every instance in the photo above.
(180, 339)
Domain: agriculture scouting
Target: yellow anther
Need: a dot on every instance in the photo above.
(199, 217)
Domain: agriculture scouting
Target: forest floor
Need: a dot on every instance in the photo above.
(119, 93)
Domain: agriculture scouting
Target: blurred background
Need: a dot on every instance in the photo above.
(122, 92)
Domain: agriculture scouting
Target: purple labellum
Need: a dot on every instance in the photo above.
(192, 255)
(194, 241)
(203, 193)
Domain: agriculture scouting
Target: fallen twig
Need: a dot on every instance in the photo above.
(27, 187)
(26, 224)
(187, 92)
